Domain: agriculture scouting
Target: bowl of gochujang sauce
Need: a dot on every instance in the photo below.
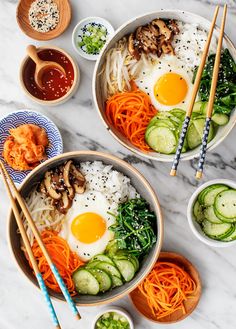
(58, 88)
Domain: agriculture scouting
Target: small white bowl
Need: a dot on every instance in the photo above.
(78, 31)
(115, 309)
(195, 227)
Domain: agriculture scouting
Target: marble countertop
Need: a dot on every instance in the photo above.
(21, 305)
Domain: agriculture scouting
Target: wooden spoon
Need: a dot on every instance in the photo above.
(42, 66)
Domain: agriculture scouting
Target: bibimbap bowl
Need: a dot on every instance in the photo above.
(202, 25)
(120, 169)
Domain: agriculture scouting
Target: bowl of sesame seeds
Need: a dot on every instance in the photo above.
(57, 87)
(43, 19)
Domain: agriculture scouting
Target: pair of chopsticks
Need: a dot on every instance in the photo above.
(9, 184)
(210, 105)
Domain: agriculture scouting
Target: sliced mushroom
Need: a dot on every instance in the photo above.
(66, 173)
(163, 29)
(77, 174)
(48, 185)
(173, 26)
(71, 192)
(167, 48)
(58, 182)
(64, 204)
(132, 48)
(79, 188)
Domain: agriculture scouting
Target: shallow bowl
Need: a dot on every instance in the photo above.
(18, 118)
(115, 309)
(195, 227)
(190, 304)
(24, 24)
(129, 27)
(141, 185)
(62, 99)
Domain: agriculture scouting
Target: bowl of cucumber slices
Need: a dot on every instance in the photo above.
(212, 213)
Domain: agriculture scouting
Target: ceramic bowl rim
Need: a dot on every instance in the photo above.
(67, 95)
(94, 84)
(201, 236)
(140, 177)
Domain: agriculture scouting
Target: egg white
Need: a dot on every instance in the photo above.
(151, 73)
(90, 201)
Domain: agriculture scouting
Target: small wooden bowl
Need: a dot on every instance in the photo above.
(23, 7)
(190, 304)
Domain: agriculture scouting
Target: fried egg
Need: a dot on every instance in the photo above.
(167, 83)
(86, 227)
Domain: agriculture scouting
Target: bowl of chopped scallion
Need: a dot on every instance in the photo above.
(90, 35)
(115, 318)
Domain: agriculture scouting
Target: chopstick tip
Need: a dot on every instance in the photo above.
(173, 172)
(77, 316)
(199, 174)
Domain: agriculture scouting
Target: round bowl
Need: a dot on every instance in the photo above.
(62, 99)
(129, 27)
(14, 120)
(190, 304)
(141, 185)
(24, 24)
(115, 309)
(195, 227)
(78, 31)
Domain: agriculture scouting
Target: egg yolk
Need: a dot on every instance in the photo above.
(170, 89)
(88, 227)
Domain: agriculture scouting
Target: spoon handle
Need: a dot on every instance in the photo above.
(32, 52)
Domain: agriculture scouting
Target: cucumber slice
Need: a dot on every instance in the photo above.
(231, 237)
(85, 282)
(225, 203)
(112, 248)
(162, 140)
(193, 137)
(165, 121)
(224, 219)
(179, 113)
(220, 119)
(103, 258)
(199, 124)
(198, 212)
(102, 278)
(204, 107)
(210, 194)
(216, 231)
(197, 107)
(92, 264)
(125, 255)
(126, 269)
(110, 269)
(211, 216)
(116, 282)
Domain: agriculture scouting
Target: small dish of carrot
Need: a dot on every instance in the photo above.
(170, 292)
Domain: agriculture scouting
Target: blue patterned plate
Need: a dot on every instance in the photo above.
(15, 119)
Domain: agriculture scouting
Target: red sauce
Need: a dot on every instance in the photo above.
(56, 85)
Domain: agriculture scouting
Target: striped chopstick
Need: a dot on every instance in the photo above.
(40, 242)
(29, 251)
(194, 95)
(210, 105)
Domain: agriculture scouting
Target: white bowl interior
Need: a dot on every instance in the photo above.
(78, 30)
(195, 227)
(129, 27)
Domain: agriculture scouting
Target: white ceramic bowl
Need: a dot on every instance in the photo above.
(195, 227)
(129, 27)
(115, 309)
(78, 30)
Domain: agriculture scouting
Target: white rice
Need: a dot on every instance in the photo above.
(189, 44)
(115, 186)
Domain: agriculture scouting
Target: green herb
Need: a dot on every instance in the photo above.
(225, 98)
(134, 228)
(112, 320)
(93, 38)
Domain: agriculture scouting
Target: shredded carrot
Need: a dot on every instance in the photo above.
(130, 112)
(65, 260)
(166, 288)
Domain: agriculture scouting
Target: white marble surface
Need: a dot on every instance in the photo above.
(21, 305)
